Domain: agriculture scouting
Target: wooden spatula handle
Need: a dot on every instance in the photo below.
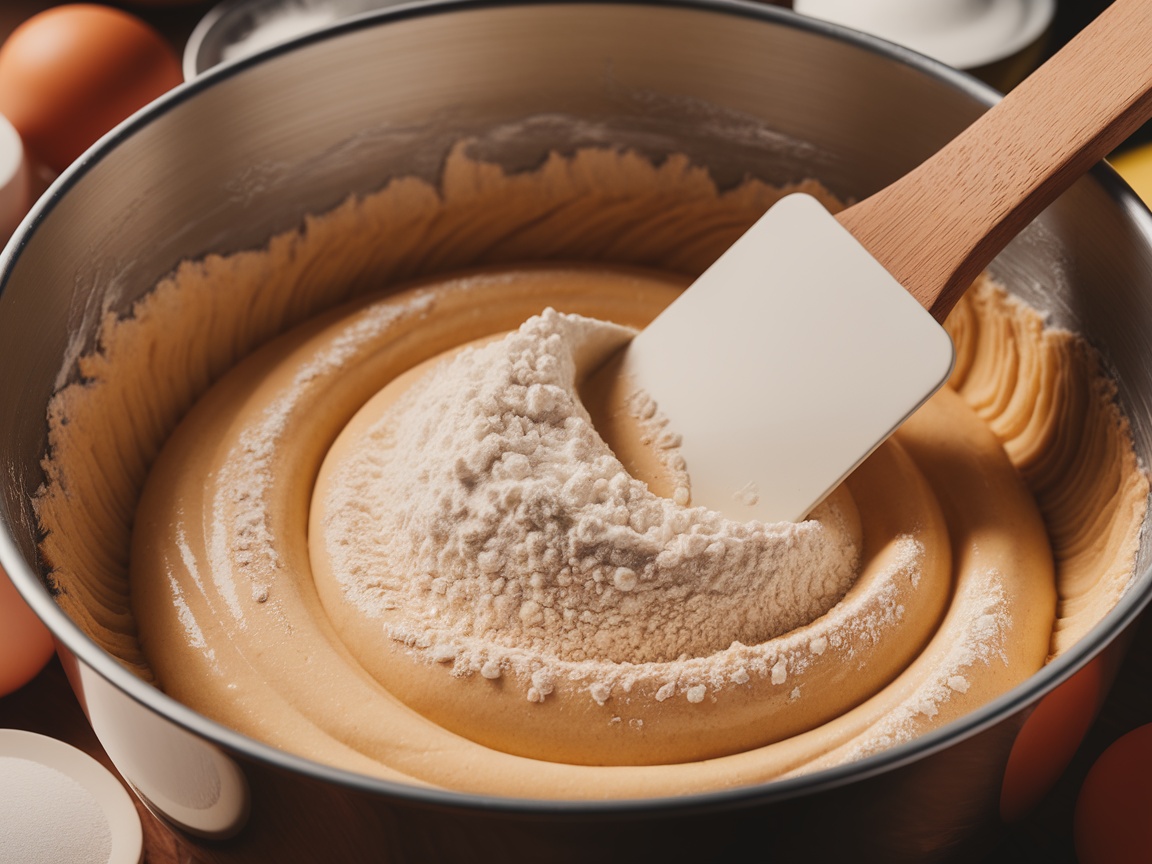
(936, 228)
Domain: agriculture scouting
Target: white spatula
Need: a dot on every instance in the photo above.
(813, 338)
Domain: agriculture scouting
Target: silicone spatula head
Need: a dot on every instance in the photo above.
(779, 380)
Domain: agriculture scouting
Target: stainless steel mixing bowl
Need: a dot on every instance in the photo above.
(248, 149)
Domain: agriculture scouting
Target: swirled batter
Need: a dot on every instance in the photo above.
(967, 564)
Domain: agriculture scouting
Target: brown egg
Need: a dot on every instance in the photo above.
(1111, 824)
(71, 73)
(25, 643)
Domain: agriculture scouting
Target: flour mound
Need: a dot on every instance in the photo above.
(486, 523)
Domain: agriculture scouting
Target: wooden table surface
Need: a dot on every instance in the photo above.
(47, 705)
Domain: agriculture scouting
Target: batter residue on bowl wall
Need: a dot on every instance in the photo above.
(497, 611)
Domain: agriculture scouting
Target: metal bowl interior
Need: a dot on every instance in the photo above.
(246, 151)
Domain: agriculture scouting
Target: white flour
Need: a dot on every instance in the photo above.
(47, 817)
(487, 524)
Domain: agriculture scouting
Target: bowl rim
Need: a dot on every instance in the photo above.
(71, 639)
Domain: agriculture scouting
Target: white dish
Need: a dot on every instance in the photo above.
(57, 803)
(966, 34)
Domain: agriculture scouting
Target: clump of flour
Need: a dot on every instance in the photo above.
(484, 521)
